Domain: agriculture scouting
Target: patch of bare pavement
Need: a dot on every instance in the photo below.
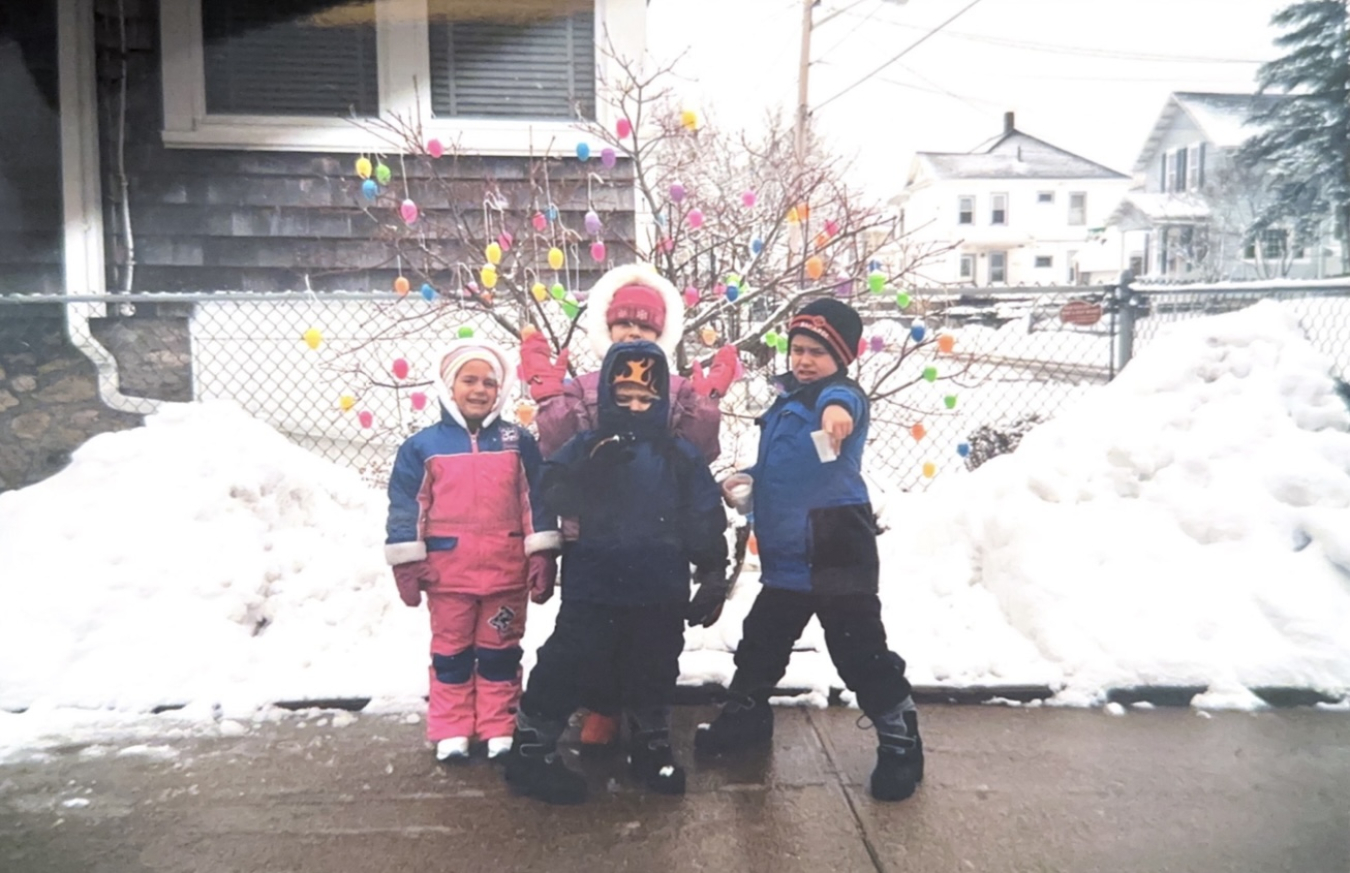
(1007, 789)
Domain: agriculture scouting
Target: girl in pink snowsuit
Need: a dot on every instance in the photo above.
(627, 303)
(466, 526)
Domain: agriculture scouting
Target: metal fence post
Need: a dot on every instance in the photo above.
(1125, 328)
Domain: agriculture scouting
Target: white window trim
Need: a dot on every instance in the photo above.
(960, 211)
(993, 207)
(404, 57)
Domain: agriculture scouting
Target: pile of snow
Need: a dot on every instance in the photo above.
(1186, 525)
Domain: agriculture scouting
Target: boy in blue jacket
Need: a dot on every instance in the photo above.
(818, 553)
(647, 508)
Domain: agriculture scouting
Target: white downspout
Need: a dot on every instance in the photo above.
(82, 199)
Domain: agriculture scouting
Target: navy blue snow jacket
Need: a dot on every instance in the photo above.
(645, 500)
(813, 520)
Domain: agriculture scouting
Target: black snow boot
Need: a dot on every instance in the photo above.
(745, 720)
(650, 759)
(534, 766)
(899, 767)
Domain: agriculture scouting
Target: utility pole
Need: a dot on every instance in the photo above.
(803, 77)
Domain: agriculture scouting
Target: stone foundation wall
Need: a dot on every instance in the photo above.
(49, 404)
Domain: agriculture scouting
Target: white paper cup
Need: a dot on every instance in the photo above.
(824, 450)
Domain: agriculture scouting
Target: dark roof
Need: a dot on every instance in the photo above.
(1015, 155)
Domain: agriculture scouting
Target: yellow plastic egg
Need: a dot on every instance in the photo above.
(538, 291)
(494, 253)
(313, 337)
(363, 167)
(555, 258)
(346, 402)
(488, 276)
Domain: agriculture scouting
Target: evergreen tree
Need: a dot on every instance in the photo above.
(1303, 149)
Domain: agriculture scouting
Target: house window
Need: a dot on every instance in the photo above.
(1179, 159)
(965, 210)
(1045, 196)
(998, 208)
(1078, 208)
(1073, 268)
(1137, 261)
(1044, 262)
(967, 267)
(1170, 172)
(1193, 167)
(1274, 242)
(510, 77)
(998, 266)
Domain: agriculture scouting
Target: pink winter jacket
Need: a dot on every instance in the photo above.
(692, 416)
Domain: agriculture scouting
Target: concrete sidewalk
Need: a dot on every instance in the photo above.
(1007, 789)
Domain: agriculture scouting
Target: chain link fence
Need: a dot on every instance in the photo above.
(349, 376)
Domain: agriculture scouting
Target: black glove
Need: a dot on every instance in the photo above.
(612, 450)
(706, 605)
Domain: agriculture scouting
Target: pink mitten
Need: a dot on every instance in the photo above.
(720, 375)
(411, 578)
(541, 574)
(542, 373)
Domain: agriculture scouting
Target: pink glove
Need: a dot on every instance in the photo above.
(540, 371)
(720, 374)
(411, 578)
(541, 573)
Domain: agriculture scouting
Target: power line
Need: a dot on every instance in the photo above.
(906, 50)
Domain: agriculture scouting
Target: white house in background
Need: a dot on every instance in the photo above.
(1187, 214)
(1017, 210)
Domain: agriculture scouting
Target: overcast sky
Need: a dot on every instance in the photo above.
(1090, 76)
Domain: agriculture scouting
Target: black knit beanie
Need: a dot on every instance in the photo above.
(834, 324)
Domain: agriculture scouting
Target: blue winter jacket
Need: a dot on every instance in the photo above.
(813, 519)
(645, 501)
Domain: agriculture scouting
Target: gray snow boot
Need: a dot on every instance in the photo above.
(650, 759)
(534, 767)
(899, 767)
(745, 720)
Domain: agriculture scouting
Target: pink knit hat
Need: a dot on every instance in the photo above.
(639, 304)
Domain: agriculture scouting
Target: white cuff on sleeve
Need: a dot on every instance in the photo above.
(543, 541)
(402, 553)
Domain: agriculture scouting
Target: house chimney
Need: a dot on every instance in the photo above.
(1008, 126)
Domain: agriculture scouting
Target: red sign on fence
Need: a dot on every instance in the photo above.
(1080, 312)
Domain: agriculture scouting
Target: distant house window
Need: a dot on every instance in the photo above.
(1045, 196)
(1274, 242)
(1169, 172)
(290, 74)
(1137, 264)
(1044, 262)
(965, 210)
(998, 208)
(1193, 166)
(998, 266)
(1073, 268)
(1078, 208)
(1179, 159)
(967, 267)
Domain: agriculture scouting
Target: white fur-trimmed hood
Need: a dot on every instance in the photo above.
(603, 291)
(502, 360)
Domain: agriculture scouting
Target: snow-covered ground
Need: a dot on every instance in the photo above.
(1187, 524)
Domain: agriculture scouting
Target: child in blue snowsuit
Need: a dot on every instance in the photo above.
(647, 508)
(818, 554)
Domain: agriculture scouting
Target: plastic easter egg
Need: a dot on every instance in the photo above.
(487, 298)
(949, 401)
(930, 374)
(399, 368)
(815, 267)
(666, 244)
(873, 265)
(525, 413)
(707, 335)
(488, 276)
(783, 342)
(505, 240)
(862, 348)
(677, 193)
(771, 339)
(365, 418)
(902, 300)
(695, 218)
(428, 292)
(382, 173)
(538, 291)
(570, 309)
(690, 296)
(756, 246)
(493, 253)
(346, 402)
(408, 210)
(555, 258)
(622, 128)
(752, 545)
(464, 332)
(918, 431)
(732, 293)
(363, 167)
(608, 158)
(963, 449)
(435, 148)
(917, 332)
(876, 281)
(929, 469)
(945, 343)
(793, 217)
(831, 227)
(592, 222)
(539, 221)
(844, 288)
(598, 252)
(877, 343)
(551, 212)
(558, 291)
(583, 152)
(402, 285)
(748, 199)
(369, 189)
(689, 119)
(419, 400)
(822, 240)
